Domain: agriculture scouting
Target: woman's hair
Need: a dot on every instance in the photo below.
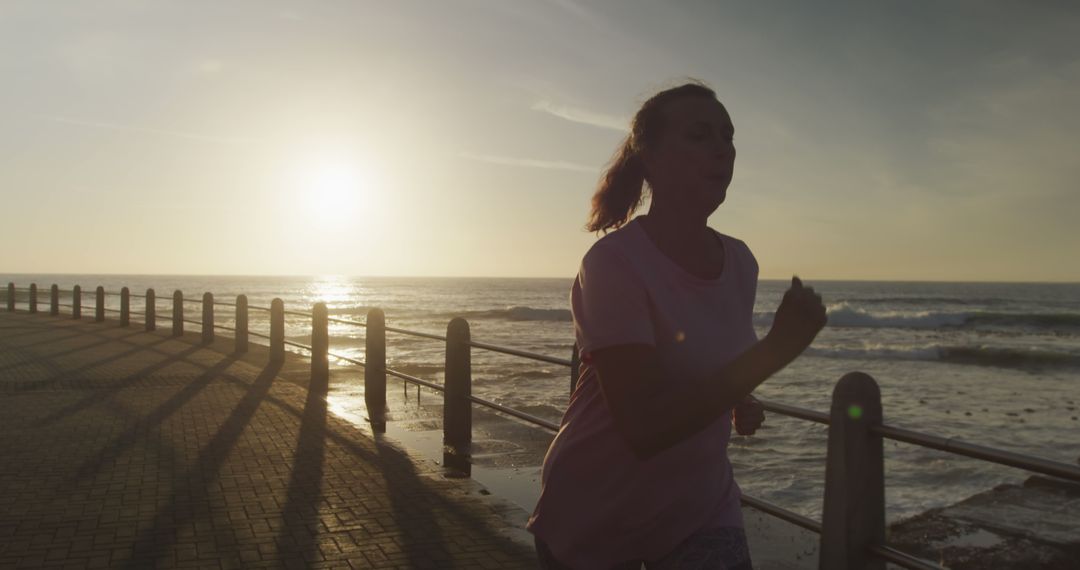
(619, 192)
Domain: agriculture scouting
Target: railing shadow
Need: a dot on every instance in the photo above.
(129, 437)
(96, 396)
(412, 501)
(68, 352)
(193, 487)
(297, 541)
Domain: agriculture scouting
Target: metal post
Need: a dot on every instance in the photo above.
(457, 408)
(54, 300)
(853, 516)
(375, 370)
(320, 346)
(33, 298)
(76, 302)
(125, 307)
(208, 318)
(178, 313)
(575, 368)
(277, 331)
(11, 297)
(151, 311)
(99, 306)
(241, 324)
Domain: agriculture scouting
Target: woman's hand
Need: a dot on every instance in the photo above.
(799, 319)
(748, 416)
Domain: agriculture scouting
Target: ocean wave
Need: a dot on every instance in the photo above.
(845, 315)
(923, 301)
(518, 314)
(349, 311)
(1064, 322)
(994, 356)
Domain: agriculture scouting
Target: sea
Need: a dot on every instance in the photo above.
(996, 364)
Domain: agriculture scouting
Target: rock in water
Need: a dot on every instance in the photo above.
(1033, 525)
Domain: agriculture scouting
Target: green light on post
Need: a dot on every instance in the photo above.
(854, 411)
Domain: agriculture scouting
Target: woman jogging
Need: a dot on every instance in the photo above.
(663, 315)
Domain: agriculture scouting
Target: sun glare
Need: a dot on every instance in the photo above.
(332, 193)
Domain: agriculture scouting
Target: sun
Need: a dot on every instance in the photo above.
(334, 188)
(333, 193)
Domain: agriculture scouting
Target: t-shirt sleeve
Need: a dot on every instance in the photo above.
(609, 303)
(751, 286)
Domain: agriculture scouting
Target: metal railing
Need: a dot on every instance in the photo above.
(852, 528)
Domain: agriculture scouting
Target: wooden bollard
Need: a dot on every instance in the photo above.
(32, 302)
(99, 304)
(54, 300)
(375, 369)
(125, 307)
(575, 368)
(76, 302)
(853, 516)
(241, 324)
(178, 313)
(320, 348)
(277, 331)
(208, 318)
(11, 297)
(151, 311)
(457, 408)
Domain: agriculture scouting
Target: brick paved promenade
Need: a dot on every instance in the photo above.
(126, 449)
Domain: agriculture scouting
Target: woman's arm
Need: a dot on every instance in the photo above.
(653, 417)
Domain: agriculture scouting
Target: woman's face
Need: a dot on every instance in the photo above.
(691, 165)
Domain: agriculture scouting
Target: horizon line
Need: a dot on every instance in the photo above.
(348, 276)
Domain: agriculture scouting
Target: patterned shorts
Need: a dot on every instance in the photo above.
(712, 549)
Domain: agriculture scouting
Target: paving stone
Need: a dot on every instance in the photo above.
(129, 449)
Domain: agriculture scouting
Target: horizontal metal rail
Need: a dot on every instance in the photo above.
(297, 345)
(795, 412)
(993, 455)
(884, 551)
(782, 513)
(345, 321)
(414, 380)
(415, 333)
(904, 559)
(347, 359)
(517, 414)
(521, 353)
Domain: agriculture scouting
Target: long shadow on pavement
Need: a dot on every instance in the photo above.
(298, 538)
(190, 497)
(97, 396)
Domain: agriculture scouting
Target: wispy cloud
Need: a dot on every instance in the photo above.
(582, 116)
(209, 66)
(157, 132)
(530, 162)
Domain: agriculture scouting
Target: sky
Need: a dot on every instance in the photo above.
(876, 140)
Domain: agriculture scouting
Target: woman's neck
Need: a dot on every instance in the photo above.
(676, 229)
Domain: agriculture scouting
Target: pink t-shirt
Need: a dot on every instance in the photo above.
(599, 504)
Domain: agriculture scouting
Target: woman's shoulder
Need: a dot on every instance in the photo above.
(619, 243)
(740, 246)
(740, 255)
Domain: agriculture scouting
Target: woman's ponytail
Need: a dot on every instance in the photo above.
(620, 191)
